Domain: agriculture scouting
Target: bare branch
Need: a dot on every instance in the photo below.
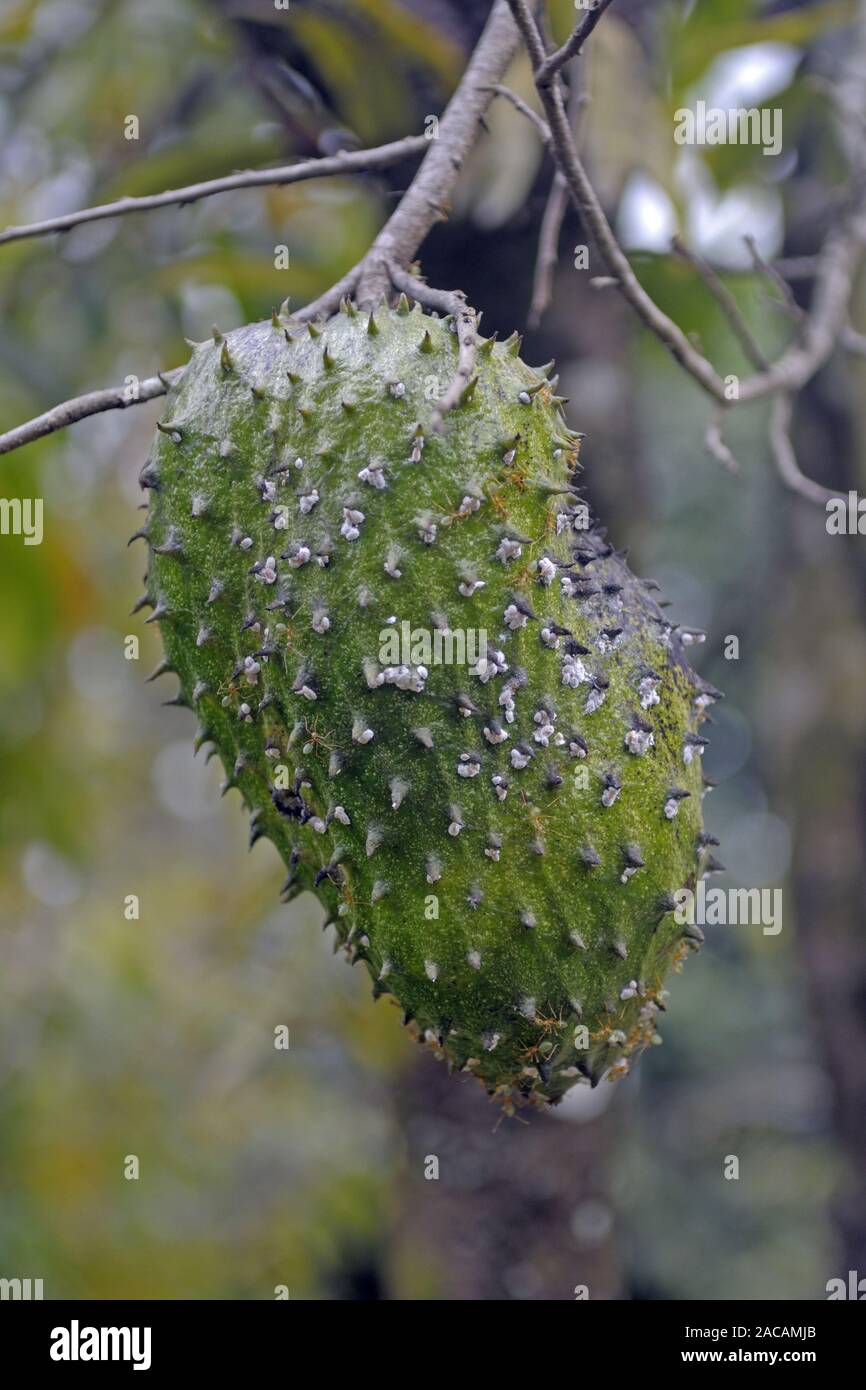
(524, 108)
(773, 273)
(427, 198)
(855, 342)
(715, 444)
(726, 302)
(466, 324)
(796, 267)
(785, 455)
(837, 264)
(548, 69)
(422, 205)
(548, 250)
(551, 224)
(119, 397)
(346, 162)
(329, 302)
(822, 326)
(80, 407)
(586, 201)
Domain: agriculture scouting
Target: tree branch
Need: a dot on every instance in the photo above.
(549, 67)
(427, 198)
(346, 162)
(424, 203)
(837, 264)
(548, 250)
(773, 273)
(726, 302)
(466, 323)
(524, 108)
(715, 445)
(80, 407)
(586, 201)
(551, 223)
(823, 325)
(820, 330)
(785, 455)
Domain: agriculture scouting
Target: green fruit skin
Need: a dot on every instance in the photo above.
(523, 962)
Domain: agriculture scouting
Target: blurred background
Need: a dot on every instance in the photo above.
(304, 1168)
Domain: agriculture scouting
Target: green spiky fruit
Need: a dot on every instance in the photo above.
(496, 815)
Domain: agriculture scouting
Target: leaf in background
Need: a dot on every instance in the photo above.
(369, 62)
(626, 126)
(713, 26)
(501, 170)
(735, 163)
(16, 23)
(191, 161)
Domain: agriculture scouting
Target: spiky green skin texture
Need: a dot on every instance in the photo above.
(502, 917)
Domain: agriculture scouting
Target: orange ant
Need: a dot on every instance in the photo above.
(551, 1024)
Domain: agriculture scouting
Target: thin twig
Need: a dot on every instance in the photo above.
(838, 262)
(547, 254)
(329, 302)
(726, 302)
(773, 273)
(548, 69)
(80, 407)
(466, 324)
(346, 162)
(852, 341)
(586, 201)
(427, 198)
(785, 455)
(715, 444)
(796, 267)
(524, 108)
(421, 206)
(548, 250)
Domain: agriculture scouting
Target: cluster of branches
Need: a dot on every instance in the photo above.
(388, 265)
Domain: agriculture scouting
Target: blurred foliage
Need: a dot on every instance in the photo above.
(154, 1037)
(695, 37)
